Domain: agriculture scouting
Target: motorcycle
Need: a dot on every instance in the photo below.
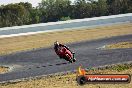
(66, 54)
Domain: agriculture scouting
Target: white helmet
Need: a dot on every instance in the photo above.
(56, 43)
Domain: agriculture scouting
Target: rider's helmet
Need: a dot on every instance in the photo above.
(56, 43)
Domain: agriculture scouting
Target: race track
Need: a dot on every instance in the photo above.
(45, 61)
(65, 25)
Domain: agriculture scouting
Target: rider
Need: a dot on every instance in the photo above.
(57, 45)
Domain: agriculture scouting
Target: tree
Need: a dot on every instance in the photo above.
(53, 10)
(16, 14)
(119, 6)
(35, 16)
(81, 9)
(102, 7)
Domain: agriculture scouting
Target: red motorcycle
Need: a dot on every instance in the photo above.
(66, 54)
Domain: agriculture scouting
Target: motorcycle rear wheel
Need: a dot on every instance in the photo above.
(74, 59)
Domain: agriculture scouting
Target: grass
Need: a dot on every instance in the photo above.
(22, 43)
(69, 80)
(119, 45)
(120, 67)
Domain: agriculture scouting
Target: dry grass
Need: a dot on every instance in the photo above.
(119, 45)
(3, 69)
(14, 44)
(69, 80)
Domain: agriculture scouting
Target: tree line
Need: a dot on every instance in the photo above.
(60, 10)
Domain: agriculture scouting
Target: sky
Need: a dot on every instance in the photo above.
(34, 2)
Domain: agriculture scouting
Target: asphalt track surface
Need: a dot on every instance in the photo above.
(44, 61)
